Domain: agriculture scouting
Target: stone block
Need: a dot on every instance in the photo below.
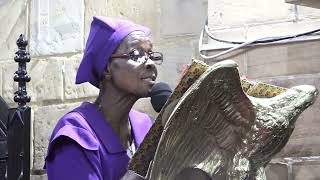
(13, 16)
(93, 8)
(282, 29)
(39, 177)
(284, 59)
(195, 47)
(56, 27)
(177, 54)
(306, 170)
(239, 56)
(46, 80)
(305, 139)
(305, 12)
(144, 105)
(45, 118)
(182, 17)
(275, 171)
(229, 13)
(71, 90)
(243, 34)
(229, 34)
(140, 11)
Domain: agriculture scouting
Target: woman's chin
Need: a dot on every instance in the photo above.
(149, 85)
(148, 92)
(145, 89)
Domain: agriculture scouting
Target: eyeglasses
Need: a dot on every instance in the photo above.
(136, 55)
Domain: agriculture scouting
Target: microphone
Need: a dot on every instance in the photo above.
(160, 93)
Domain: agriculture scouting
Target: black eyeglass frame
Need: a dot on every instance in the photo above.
(136, 54)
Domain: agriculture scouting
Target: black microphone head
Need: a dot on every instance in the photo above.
(160, 93)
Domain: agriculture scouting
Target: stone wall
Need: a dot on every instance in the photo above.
(57, 32)
(287, 64)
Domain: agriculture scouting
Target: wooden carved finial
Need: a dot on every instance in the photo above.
(21, 76)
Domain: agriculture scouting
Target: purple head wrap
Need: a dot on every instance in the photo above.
(106, 34)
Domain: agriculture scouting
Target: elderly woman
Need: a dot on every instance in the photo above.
(96, 140)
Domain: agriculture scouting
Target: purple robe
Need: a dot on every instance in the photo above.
(83, 145)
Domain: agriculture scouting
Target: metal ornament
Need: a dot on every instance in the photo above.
(217, 128)
(220, 125)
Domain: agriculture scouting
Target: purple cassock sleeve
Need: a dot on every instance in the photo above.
(73, 162)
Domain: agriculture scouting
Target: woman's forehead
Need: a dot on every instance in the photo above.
(135, 40)
(138, 39)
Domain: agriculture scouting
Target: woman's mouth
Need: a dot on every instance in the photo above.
(149, 78)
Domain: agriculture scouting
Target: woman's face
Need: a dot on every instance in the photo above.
(130, 76)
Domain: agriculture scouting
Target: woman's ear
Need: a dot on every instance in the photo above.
(106, 77)
(107, 74)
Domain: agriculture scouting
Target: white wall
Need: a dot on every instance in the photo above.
(249, 19)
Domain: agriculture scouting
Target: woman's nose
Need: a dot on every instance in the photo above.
(150, 64)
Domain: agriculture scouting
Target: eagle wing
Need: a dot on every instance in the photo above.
(206, 127)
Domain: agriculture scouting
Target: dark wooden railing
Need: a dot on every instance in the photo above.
(3, 138)
(15, 124)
